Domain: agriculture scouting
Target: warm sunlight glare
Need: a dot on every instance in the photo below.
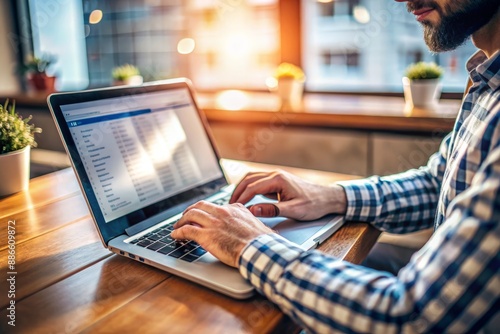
(232, 100)
(159, 153)
(237, 45)
(144, 166)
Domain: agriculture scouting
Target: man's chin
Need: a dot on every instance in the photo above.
(436, 45)
(431, 40)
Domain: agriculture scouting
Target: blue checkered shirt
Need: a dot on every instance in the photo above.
(453, 283)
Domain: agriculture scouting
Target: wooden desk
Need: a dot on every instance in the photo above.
(67, 281)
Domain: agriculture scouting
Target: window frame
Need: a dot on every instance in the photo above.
(22, 36)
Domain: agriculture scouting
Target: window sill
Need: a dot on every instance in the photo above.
(377, 113)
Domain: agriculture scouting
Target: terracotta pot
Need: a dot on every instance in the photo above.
(41, 82)
(15, 173)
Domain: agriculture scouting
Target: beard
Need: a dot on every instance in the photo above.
(459, 20)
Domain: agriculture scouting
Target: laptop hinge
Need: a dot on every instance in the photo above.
(145, 224)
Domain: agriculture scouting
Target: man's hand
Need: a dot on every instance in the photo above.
(222, 230)
(298, 199)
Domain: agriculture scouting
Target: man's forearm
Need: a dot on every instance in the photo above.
(401, 203)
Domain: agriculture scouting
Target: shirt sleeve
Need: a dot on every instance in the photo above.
(400, 203)
(451, 285)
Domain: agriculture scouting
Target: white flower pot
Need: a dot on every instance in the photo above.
(290, 92)
(14, 171)
(422, 94)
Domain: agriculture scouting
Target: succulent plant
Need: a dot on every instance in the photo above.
(15, 132)
(124, 72)
(37, 65)
(423, 70)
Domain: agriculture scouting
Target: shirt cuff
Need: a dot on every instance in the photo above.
(361, 199)
(263, 261)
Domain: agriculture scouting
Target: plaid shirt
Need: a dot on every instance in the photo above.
(453, 283)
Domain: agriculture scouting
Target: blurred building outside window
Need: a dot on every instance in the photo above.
(365, 46)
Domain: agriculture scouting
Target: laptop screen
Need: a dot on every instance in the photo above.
(140, 149)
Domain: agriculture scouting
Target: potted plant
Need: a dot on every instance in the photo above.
(421, 86)
(17, 136)
(126, 75)
(290, 85)
(35, 69)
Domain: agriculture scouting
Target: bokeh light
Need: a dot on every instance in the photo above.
(186, 46)
(361, 14)
(95, 17)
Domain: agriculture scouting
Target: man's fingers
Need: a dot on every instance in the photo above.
(262, 186)
(195, 215)
(189, 232)
(204, 206)
(243, 184)
(265, 210)
(291, 209)
(195, 205)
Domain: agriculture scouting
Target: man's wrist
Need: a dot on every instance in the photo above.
(339, 199)
(263, 260)
(361, 198)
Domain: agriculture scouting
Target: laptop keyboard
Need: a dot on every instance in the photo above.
(159, 240)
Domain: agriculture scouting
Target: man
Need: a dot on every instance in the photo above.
(453, 283)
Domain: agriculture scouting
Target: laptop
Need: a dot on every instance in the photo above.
(142, 155)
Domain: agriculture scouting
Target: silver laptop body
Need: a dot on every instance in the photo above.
(144, 154)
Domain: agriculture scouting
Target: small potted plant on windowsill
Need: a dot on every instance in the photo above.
(17, 137)
(127, 75)
(35, 70)
(290, 81)
(422, 86)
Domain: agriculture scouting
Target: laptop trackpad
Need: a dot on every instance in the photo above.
(293, 230)
(208, 258)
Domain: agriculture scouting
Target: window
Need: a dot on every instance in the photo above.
(340, 63)
(51, 19)
(414, 56)
(337, 8)
(138, 32)
(236, 42)
(365, 46)
(343, 45)
(326, 9)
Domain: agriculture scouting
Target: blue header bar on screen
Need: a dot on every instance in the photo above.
(108, 117)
